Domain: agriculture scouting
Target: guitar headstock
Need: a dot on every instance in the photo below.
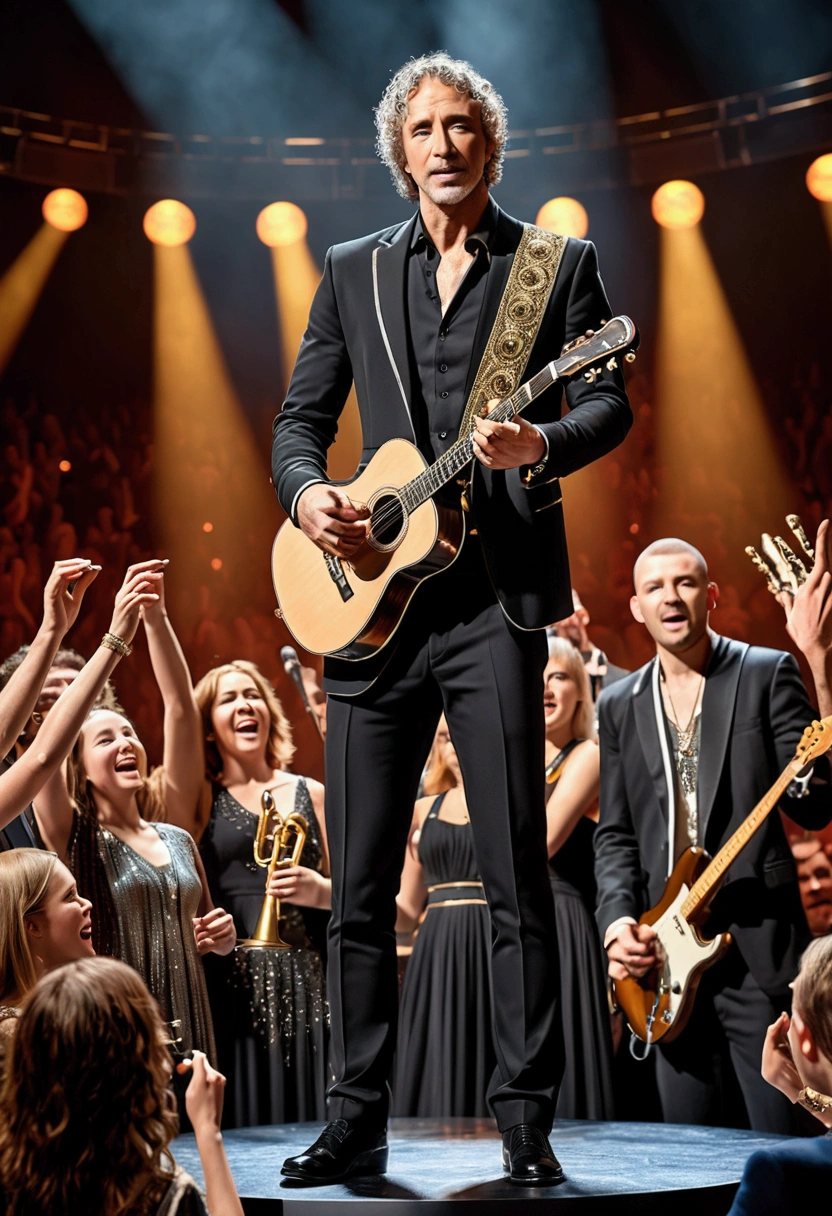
(816, 740)
(618, 337)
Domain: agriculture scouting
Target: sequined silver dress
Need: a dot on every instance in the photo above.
(268, 1005)
(154, 907)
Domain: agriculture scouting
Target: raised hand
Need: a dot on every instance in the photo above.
(809, 613)
(328, 517)
(215, 932)
(204, 1095)
(153, 612)
(137, 591)
(778, 1067)
(64, 593)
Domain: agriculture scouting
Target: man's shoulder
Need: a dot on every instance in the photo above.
(619, 693)
(362, 246)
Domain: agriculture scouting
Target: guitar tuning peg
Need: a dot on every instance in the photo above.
(630, 356)
(590, 376)
(612, 364)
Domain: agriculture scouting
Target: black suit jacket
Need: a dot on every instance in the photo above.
(754, 711)
(522, 530)
(781, 1180)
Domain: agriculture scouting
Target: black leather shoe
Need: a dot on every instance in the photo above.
(528, 1159)
(344, 1147)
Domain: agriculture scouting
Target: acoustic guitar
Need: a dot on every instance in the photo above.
(658, 1006)
(351, 609)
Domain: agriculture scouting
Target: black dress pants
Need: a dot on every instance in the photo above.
(457, 652)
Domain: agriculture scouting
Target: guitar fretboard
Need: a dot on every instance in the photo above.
(461, 453)
(702, 888)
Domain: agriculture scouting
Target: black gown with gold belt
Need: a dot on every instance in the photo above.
(586, 1090)
(268, 1006)
(445, 1054)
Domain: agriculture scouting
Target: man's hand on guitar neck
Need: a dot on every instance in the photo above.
(507, 445)
(631, 952)
(328, 517)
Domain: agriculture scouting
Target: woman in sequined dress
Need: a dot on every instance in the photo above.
(445, 1055)
(269, 1003)
(571, 812)
(145, 879)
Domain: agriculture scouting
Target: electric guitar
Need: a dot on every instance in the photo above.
(658, 1006)
(351, 609)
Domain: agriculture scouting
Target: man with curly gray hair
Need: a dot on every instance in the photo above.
(431, 319)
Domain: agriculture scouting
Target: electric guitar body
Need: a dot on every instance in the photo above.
(658, 1006)
(351, 609)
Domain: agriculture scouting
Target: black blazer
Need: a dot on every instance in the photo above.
(754, 711)
(522, 530)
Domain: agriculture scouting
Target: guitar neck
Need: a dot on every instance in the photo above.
(461, 453)
(702, 889)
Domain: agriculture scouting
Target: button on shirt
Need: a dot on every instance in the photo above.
(441, 346)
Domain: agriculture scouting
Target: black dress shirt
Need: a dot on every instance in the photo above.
(440, 346)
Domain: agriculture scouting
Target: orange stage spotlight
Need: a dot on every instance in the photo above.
(819, 178)
(281, 224)
(65, 210)
(565, 215)
(678, 204)
(169, 222)
(21, 285)
(296, 278)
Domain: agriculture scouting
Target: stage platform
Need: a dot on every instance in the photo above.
(439, 1168)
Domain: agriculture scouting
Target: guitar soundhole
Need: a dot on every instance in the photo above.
(388, 522)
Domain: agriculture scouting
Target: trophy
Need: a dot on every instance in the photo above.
(278, 844)
(784, 571)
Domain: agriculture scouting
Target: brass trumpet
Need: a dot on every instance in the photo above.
(783, 569)
(278, 844)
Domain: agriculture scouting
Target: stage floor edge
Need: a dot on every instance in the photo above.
(436, 1165)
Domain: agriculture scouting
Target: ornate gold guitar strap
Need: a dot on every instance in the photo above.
(517, 324)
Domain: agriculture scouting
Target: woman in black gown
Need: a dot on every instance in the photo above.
(268, 1006)
(572, 774)
(445, 1051)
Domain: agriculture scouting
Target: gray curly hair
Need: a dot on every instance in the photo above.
(391, 113)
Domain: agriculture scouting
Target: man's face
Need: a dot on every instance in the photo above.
(673, 597)
(445, 147)
(814, 873)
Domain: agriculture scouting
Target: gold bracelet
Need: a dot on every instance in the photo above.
(817, 1103)
(113, 642)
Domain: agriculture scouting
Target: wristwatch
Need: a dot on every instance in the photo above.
(536, 469)
(817, 1103)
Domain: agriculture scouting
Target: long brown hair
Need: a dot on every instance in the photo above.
(438, 778)
(25, 875)
(279, 747)
(86, 1113)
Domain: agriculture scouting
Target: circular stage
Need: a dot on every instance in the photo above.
(435, 1165)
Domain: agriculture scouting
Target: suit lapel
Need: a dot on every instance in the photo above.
(649, 738)
(718, 701)
(391, 258)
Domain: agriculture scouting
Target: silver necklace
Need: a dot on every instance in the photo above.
(686, 758)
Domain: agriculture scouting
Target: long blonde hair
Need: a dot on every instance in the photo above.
(86, 1112)
(583, 719)
(25, 875)
(279, 746)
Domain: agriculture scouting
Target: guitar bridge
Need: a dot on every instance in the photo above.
(339, 578)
